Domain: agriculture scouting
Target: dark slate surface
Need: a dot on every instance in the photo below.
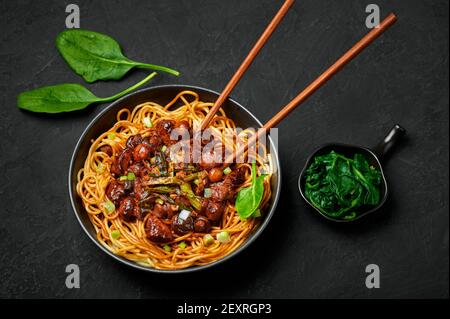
(402, 78)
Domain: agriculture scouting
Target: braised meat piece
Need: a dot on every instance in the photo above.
(214, 210)
(215, 174)
(213, 157)
(128, 185)
(115, 168)
(106, 149)
(138, 169)
(164, 128)
(153, 140)
(129, 210)
(236, 177)
(222, 191)
(157, 231)
(133, 141)
(202, 225)
(164, 211)
(114, 191)
(183, 223)
(142, 151)
(122, 162)
(226, 190)
(139, 190)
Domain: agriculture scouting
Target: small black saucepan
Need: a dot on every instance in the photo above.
(373, 156)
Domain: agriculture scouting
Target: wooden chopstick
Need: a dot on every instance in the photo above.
(246, 63)
(317, 83)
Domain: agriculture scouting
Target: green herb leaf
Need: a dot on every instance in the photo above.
(338, 186)
(96, 56)
(66, 97)
(248, 199)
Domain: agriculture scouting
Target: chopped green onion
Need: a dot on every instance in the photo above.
(207, 192)
(186, 189)
(182, 245)
(223, 237)
(256, 213)
(208, 240)
(153, 160)
(111, 136)
(167, 248)
(196, 181)
(227, 171)
(123, 178)
(110, 207)
(147, 121)
(164, 148)
(115, 234)
(131, 176)
(99, 168)
(159, 201)
(184, 214)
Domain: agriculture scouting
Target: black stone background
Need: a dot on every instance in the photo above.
(403, 78)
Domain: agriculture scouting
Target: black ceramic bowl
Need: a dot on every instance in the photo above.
(162, 95)
(374, 156)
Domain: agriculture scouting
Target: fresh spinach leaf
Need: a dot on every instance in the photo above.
(66, 97)
(338, 186)
(369, 177)
(248, 199)
(96, 56)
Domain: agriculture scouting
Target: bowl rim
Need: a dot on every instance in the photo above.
(342, 221)
(133, 264)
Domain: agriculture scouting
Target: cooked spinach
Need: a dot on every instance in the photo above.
(96, 56)
(66, 97)
(248, 199)
(339, 186)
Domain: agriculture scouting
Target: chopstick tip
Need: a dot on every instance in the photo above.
(392, 16)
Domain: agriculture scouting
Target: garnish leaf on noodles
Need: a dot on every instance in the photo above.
(249, 199)
(96, 56)
(66, 97)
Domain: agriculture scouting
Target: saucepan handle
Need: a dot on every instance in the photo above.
(391, 139)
